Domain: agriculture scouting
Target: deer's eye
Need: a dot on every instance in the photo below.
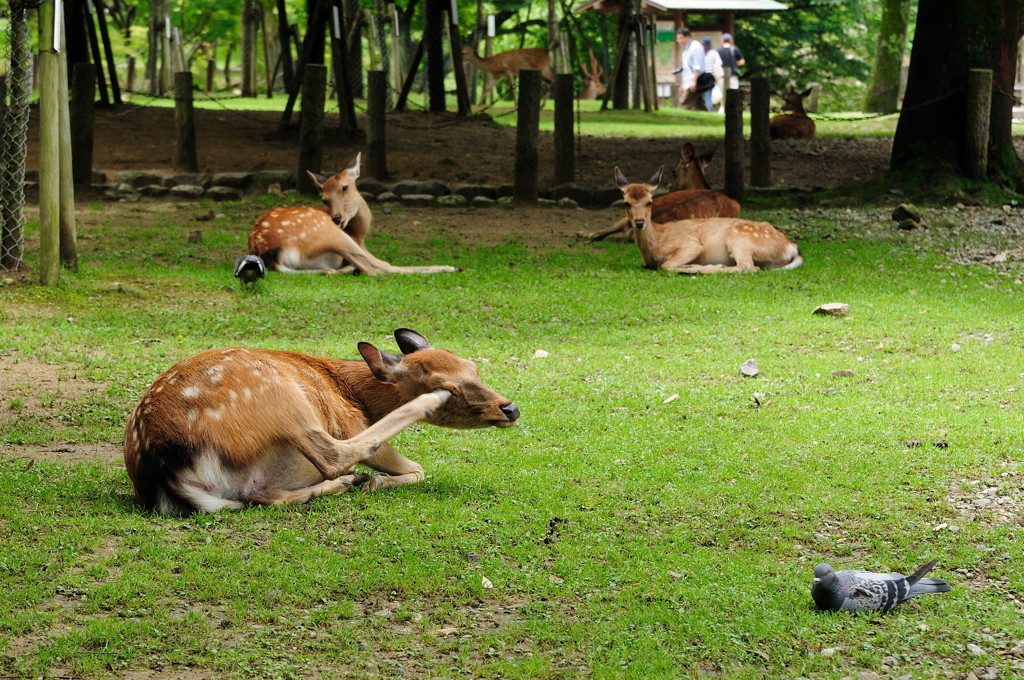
(649, 204)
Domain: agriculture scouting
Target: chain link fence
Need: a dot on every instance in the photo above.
(16, 91)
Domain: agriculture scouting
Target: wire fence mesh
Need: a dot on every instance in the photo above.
(16, 92)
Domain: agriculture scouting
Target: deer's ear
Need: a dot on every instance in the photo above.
(656, 178)
(354, 165)
(318, 179)
(382, 364)
(620, 179)
(410, 341)
(806, 93)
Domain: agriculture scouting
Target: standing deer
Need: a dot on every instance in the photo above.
(236, 426)
(331, 239)
(706, 245)
(508, 64)
(691, 196)
(593, 87)
(795, 125)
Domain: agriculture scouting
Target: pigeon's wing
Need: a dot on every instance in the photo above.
(869, 591)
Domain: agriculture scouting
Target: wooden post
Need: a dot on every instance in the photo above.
(130, 80)
(734, 144)
(83, 107)
(311, 125)
(211, 70)
(68, 235)
(979, 106)
(564, 138)
(185, 123)
(49, 148)
(527, 133)
(760, 138)
(376, 124)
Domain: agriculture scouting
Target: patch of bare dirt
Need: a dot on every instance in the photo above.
(42, 391)
(424, 145)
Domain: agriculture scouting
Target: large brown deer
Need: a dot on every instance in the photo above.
(235, 426)
(593, 87)
(795, 125)
(691, 196)
(508, 64)
(703, 246)
(331, 239)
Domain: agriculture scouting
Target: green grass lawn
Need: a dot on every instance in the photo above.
(653, 514)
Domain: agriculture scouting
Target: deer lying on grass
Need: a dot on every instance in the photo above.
(795, 125)
(706, 245)
(237, 426)
(593, 87)
(691, 196)
(508, 64)
(329, 240)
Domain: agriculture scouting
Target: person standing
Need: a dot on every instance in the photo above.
(692, 65)
(712, 65)
(732, 59)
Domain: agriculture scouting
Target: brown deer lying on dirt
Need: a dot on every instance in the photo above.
(795, 125)
(236, 426)
(703, 246)
(329, 240)
(508, 64)
(691, 196)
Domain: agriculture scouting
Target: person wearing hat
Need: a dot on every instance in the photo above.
(732, 58)
(712, 65)
(691, 66)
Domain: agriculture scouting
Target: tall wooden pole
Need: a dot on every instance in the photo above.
(49, 145)
(68, 232)
(760, 136)
(734, 144)
(527, 133)
(564, 138)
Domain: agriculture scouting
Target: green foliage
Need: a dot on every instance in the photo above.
(822, 41)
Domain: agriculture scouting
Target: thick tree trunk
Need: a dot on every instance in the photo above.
(951, 38)
(884, 91)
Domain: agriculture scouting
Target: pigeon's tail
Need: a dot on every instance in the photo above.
(919, 574)
(919, 585)
(930, 585)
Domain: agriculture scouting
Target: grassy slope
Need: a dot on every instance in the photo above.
(579, 514)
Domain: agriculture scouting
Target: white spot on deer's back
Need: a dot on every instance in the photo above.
(247, 393)
(190, 392)
(212, 413)
(265, 224)
(192, 415)
(286, 223)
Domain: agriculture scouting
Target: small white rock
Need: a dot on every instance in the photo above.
(833, 309)
(955, 347)
(749, 368)
(975, 650)
(539, 354)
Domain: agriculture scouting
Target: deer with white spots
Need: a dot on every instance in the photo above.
(329, 240)
(237, 426)
(705, 245)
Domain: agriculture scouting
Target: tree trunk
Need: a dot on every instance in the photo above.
(248, 48)
(884, 92)
(951, 38)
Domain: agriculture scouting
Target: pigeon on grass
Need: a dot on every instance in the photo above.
(249, 269)
(866, 591)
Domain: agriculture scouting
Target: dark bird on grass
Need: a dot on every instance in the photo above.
(249, 269)
(866, 591)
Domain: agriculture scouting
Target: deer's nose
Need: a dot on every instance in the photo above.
(336, 219)
(511, 411)
(639, 224)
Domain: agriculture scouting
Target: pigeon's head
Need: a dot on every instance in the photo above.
(824, 573)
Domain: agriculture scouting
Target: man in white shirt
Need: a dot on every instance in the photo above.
(692, 65)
